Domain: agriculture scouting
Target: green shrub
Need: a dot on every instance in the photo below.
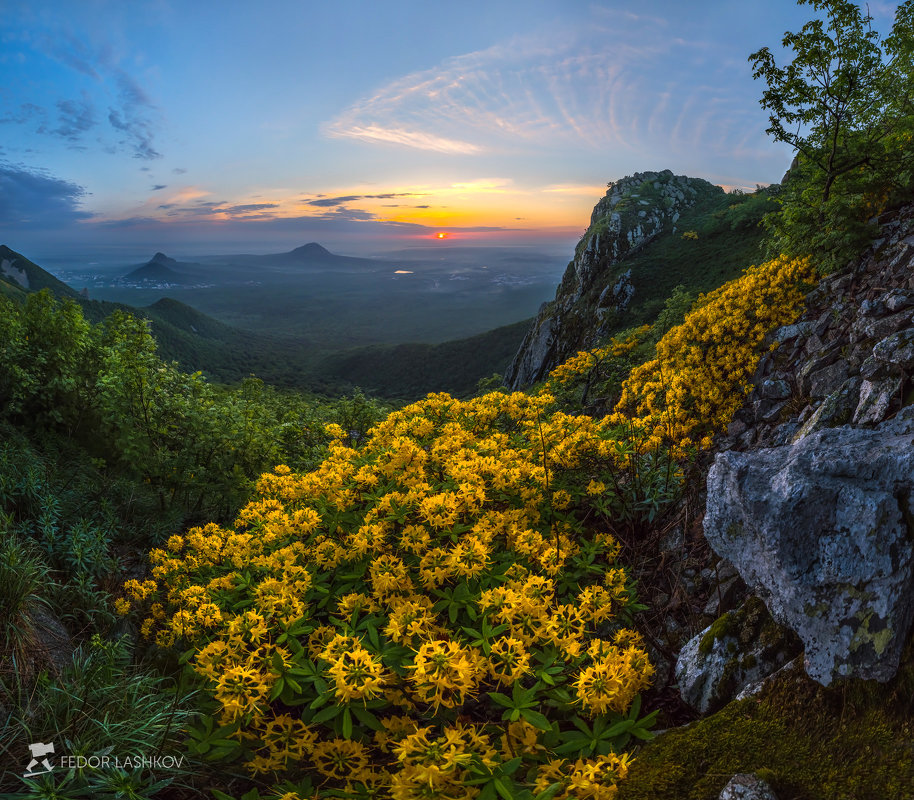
(427, 612)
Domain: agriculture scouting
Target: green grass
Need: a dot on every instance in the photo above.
(102, 703)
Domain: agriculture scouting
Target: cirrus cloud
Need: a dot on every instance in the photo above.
(604, 88)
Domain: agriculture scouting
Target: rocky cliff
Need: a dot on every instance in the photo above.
(808, 515)
(598, 284)
(811, 496)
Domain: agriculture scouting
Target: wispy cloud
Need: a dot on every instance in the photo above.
(75, 117)
(100, 81)
(158, 187)
(606, 87)
(420, 140)
(247, 208)
(350, 198)
(26, 112)
(525, 90)
(583, 190)
(132, 116)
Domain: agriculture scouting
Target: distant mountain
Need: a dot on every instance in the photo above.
(19, 275)
(197, 341)
(311, 256)
(309, 251)
(159, 270)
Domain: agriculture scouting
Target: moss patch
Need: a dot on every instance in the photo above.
(852, 740)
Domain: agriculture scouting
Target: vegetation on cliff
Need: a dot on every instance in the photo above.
(845, 104)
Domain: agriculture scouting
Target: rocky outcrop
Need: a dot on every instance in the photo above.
(822, 529)
(810, 499)
(596, 284)
(741, 648)
(850, 357)
(746, 786)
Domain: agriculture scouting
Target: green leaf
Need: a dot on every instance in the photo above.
(277, 689)
(368, 719)
(347, 723)
(373, 636)
(577, 745)
(510, 767)
(536, 718)
(501, 699)
(325, 714)
(619, 728)
(549, 792)
(488, 792)
(581, 725)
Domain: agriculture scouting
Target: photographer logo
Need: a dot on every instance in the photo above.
(40, 753)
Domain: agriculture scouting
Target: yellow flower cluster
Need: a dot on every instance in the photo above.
(699, 378)
(435, 767)
(388, 596)
(585, 779)
(588, 360)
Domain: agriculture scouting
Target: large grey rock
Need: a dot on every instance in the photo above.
(788, 332)
(875, 399)
(823, 530)
(741, 648)
(747, 787)
(897, 349)
(836, 409)
(877, 328)
(828, 379)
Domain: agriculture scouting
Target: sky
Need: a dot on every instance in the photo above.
(213, 127)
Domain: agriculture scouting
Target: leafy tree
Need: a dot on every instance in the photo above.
(845, 103)
(47, 354)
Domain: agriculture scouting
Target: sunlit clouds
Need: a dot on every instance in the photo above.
(394, 135)
(604, 87)
(481, 202)
(331, 123)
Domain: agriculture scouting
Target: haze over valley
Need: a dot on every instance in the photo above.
(420, 294)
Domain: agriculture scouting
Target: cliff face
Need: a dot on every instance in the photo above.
(810, 499)
(597, 285)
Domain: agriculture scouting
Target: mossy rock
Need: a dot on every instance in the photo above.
(854, 740)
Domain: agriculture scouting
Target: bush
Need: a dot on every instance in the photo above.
(698, 380)
(434, 614)
(844, 102)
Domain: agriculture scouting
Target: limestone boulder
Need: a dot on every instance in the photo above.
(741, 648)
(823, 531)
(747, 787)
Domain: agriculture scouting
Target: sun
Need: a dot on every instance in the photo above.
(441, 235)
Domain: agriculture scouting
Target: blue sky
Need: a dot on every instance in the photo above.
(218, 126)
